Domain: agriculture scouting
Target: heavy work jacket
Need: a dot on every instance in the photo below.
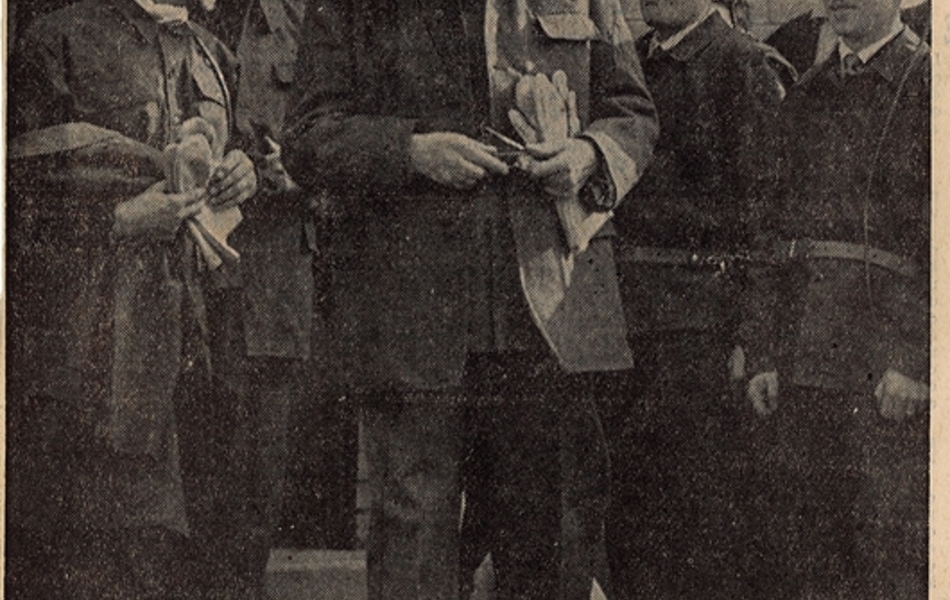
(276, 239)
(98, 321)
(423, 275)
(715, 95)
(841, 323)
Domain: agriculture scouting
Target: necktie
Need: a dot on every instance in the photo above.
(851, 64)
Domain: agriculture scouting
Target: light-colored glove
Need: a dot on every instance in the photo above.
(546, 119)
(453, 160)
(190, 160)
(545, 109)
(155, 213)
(900, 396)
(763, 393)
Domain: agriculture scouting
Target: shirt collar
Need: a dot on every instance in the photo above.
(889, 62)
(867, 53)
(672, 41)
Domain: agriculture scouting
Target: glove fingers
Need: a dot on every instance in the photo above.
(573, 119)
(527, 132)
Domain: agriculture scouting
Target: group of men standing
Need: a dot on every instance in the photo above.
(552, 254)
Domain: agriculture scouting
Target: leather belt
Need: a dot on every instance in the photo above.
(782, 252)
(678, 258)
(810, 249)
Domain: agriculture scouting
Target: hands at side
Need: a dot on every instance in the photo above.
(898, 396)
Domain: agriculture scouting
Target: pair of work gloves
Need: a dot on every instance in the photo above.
(203, 189)
(545, 116)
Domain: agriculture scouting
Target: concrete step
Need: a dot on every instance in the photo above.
(316, 575)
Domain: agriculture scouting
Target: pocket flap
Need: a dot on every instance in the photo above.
(568, 26)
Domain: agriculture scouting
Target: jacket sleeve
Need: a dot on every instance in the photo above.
(624, 123)
(905, 306)
(753, 100)
(40, 95)
(328, 141)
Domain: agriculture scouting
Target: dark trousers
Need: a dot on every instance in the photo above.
(194, 522)
(676, 521)
(842, 499)
(232, 448)
(234, 453)
(529, 455)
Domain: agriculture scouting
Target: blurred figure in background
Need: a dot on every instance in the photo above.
(808, 39)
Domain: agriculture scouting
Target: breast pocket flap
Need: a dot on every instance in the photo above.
(568, 26)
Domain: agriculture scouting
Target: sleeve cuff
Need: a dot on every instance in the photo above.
(599, 194)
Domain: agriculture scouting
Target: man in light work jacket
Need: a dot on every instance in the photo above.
(464, 317)
(673, 529)
(838, 329)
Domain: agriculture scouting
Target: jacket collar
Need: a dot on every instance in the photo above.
(147, 25)
(866, 54)
(889, 62)
(694, 41)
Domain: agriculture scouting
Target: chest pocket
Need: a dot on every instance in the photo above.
(562, 42)
(568, 26)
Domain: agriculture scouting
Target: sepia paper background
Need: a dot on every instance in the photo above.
(940, 416)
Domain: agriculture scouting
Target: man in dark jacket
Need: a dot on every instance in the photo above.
(672, 532)
(808, 38)
(838, 332)
(126, 344)
(462, 310)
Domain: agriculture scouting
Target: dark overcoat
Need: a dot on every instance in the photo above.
(716, 96)
(100, 320)
(407, 254)
(843, 177)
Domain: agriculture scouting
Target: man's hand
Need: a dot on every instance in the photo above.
(900, 396)
(564, 166)
(763, 393)
(155, 213)
(453, 159)
(233, 182)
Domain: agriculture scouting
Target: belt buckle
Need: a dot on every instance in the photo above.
(710, 260)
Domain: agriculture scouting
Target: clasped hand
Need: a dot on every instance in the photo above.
(233, 181)
(458, 161)
(453, 159)
(157, 213)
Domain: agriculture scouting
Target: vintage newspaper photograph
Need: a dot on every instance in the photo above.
(472, 300)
